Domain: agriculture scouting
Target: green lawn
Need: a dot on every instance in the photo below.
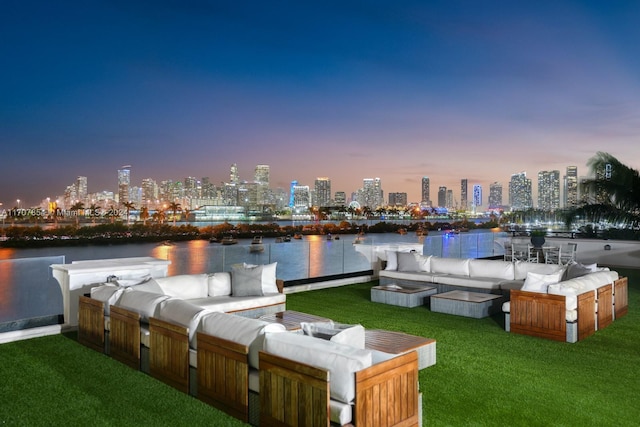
(483, 375)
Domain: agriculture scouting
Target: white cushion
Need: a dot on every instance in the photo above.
(407, 261)
(219, 284)
(133, 281)
(424, 263)
(229, 304)
(144, 303)
(108, 294)
(269, 285)
(246, 281)
(521, 269)
(342, 361)
(182, 313)
(185, 286)
(352, 335)
(456, 266)
(540, 282)
(149, 285)
(392, 260)
(241, 330)
(491, 268)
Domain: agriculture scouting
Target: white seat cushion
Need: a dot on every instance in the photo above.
(144, 303)
(182, 313)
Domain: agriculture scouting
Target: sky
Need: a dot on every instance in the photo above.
(348, 90)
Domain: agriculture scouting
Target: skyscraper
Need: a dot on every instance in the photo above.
(549, 190)
(442, 197)
(495, 195)
(81, 191)
(340, 198)
(322, 192)
(234, 178)
(293, 185)
(397, 199)
(571, 187)
(124, 182)
(372, 195)
(301, 196)
(520, 197)
(477, 195)
(463, 195)
(425, 190)
(262, 174)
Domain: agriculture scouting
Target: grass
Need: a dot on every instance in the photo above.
(484, 376)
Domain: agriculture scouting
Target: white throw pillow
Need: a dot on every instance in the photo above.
(269, 285)
(392, 260)
(246, 281)
(219, 284)
(540, 282)
(352, 335)
(424, 263)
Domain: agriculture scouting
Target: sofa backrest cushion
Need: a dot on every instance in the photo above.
(246, 281)
(183, 313)
(456, 266)
(497, 269)
(392, 260)
(185, 286)
(149, 285)
(576, 269)
(108, 294)
(219, 284)
(269, 285)
(352, 335)
(241, 330)
(521, 268)
(144, 303)
(424, 263)
(342, 361)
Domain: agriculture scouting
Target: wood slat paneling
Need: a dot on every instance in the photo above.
(91, 323)
(124, 337)
(538, 315)
(169, 353)
(621, 297)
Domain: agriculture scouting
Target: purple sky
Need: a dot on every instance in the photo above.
(344, 89)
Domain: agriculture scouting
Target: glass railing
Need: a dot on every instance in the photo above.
(29, 295)
(466, 245)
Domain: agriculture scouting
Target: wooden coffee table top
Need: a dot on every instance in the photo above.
(393, 342)
(291, 319)
(467, 296)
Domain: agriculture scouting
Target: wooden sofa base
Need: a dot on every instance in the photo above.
(91, 331)
(293, 393)
(620, 297)
(169, 353)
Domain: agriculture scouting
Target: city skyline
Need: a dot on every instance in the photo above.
(448, 90)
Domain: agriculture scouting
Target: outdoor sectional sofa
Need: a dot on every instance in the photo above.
(107, 316)
(552, 301)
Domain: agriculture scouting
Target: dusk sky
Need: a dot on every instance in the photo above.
(343, 89)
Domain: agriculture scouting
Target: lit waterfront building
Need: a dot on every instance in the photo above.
(397, 199)
(124, 182)
(371, 194)
(81, 188)
(301, 197)
(495, 195)
(549, 190)
(149, 191)
(442, 197)
(293, 185)
(322, 192)
(450, 203)
(425, 191)
(234, 177)
(520, 197)
(571, 187)
(340, 198)
(477, 196)
(261, 177)
(463, 194)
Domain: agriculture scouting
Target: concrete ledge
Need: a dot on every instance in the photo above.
(328, 284)
(25, 334)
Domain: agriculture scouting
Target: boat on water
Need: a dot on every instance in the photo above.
(329, 237)
(286, 238)
(279, 239)
(297, 236)
(256, 244)
(229, 240)
(359, 239)
(402, 231)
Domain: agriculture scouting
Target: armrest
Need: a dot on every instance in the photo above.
(169, 353)
(91, 323)
(280, 285)
(124, 338)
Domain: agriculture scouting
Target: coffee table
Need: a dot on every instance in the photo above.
(464, 303)
(291, 319)
(399, 343)
(402, 295)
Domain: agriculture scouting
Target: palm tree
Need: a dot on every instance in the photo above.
(159, 216)
(144, 214)
(186, 213)
(174, 207)
(128, 206)
(615, 190)
(93, 211)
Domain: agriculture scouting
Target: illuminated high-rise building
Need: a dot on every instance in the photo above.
(549, 190)
(520, 197)
(442, 197)
(322, 192)
(81, 188)
(149, 192)
(234, 177)
(124, 182)
(301, 196)
(425, 190)
(495, 195)
(397, 199)
(571, 187)
(261, 175)
(477, 195)
(293, 185)
(340, 198)
(464, 198)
